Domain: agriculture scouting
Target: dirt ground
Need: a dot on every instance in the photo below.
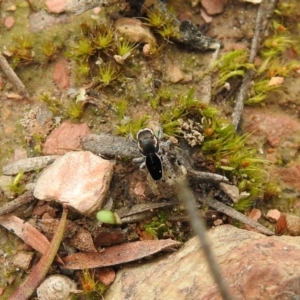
(58, 77)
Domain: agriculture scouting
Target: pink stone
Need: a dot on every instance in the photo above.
(56, 6)
(273, 215)
(9, 22)
(207, 18)
(79, 180)
(61, 75)
(255, 214)
(213, 7)
(175, 75)
(65, 138)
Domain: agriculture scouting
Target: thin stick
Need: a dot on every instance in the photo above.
(186, 196)
(231, 212)
(263, 14)
(16, 203)
(12, 76)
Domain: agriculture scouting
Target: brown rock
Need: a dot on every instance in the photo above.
(22, 259)
(293, 224)
(255, 214)
(135, 31)
(56, 6)
(65, 138)
(253, 265)
(106, 275)
(9, 22)
(213, 7)
(79, 180)
(61, 75)
(174, 74)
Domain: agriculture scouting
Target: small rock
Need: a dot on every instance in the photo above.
(276, 81)
(213, 7)
(273, 215)
(106, 275)
(218, 222)
(135, 31)
(65, 138)
(207, 18)
(255, 214)
(40, 208)
(61, 75)
(79, 180)
(293, 224)
(230, 190)
(38, 121)
(56, 6)
(96, 10)
(23, 259)
(9, 22)
(174, 74)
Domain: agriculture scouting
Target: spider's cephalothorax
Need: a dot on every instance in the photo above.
(149, 147)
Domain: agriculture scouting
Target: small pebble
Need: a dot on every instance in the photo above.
(293, 224)
(213, 7)
(56, 6)
(9, 22)
(273, 215)
(175, 75)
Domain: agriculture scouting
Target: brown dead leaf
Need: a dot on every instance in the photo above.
(281, 225)
(39, 271)
(117, 254)
(26, 232)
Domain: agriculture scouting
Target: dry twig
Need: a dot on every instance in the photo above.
(12, 76)
(263, 14)
(16, 203)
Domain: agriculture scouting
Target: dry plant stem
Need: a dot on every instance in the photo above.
(39, 271)
(263, 13)
(229, 211)
(16, 203)
(12, 76)
(186, 196)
